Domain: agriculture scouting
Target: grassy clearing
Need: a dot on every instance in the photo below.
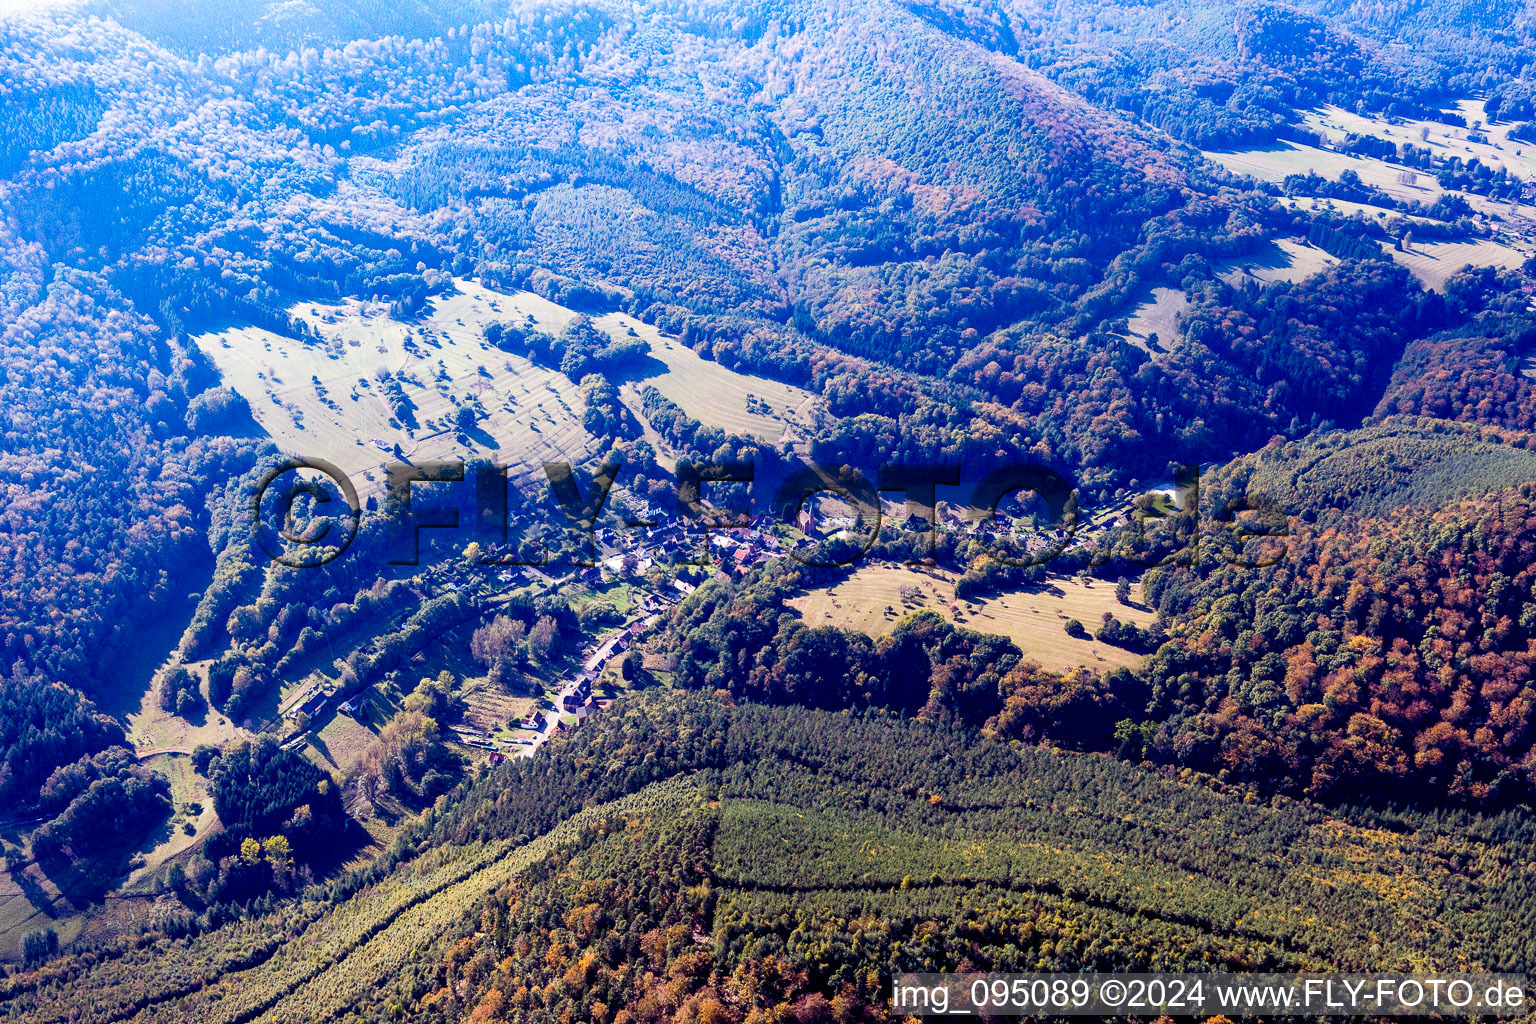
(1287, 259)
(870, 601)
(30, 901)
(1443, 140)
(1157, 315)
(737, 403)
(1291, 259)
(189, 791)
(19, 916)
(325, 400)
(152, 729)
(339, 745)
(1274, 163)
(1431, 262)
(1345, 208)
(1435, 262)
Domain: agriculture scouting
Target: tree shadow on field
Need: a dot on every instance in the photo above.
(325, 751)
(637, 370)
(34, 893)
(477, 435)
(82, 882)
(342, 847)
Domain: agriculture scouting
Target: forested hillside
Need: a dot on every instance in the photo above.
(682, 856)
(1212, 264)
(155, 191)
(1383, 660)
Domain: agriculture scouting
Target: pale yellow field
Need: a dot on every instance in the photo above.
(1273, 164)
(1435, 262)
(737, 403)
(1289, 259)
(1033, 620)
(533, 414)
(1158, 315)
(441, 360)
(1443, 140)
(1345, 208)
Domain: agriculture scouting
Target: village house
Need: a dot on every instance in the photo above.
(313, 704)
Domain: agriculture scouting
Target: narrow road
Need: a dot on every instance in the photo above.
(551, 719)
(146, 754)
(20, 826)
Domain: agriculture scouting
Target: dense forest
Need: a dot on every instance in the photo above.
(684, 856)
(1384, 660)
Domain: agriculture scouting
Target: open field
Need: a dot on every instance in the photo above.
(328, 401)
(1157, 315)
(1435, 262)
(1345, 208)
(152, 729)
(164, 743)
(1274, 163)
(332, 399)
(737, 403)
(187, 789)
(1443, 140)
(1032, 619)
(31, 901)
(1431, 262)
(339, 745)
(1287, 259)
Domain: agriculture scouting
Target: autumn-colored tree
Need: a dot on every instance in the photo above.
(250, 851)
